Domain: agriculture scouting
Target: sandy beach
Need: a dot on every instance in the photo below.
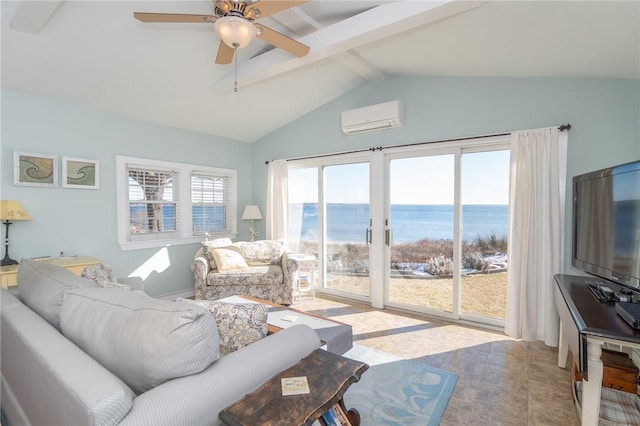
(482, 294)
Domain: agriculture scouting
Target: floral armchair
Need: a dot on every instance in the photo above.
(261, 269)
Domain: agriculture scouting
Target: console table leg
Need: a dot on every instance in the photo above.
(592, 387)
(563, 348)
(352, 414)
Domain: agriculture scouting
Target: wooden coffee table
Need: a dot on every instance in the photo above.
(329, 376)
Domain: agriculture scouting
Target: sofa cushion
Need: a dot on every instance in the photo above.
(142, 340)
(239, 324)
(228, 259)
(42, 287)
(266, 275)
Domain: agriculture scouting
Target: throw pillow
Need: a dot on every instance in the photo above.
(102, 274)
(207, 246)
(239, 324)
(228, 259)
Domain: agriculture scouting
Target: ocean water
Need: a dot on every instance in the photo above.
(348, 222)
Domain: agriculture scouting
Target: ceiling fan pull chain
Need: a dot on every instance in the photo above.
(235, 59)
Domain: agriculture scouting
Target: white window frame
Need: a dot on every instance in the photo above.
(185, 233)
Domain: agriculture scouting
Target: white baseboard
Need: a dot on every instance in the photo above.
(173, 296)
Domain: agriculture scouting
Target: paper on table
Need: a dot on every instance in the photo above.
(294, 385)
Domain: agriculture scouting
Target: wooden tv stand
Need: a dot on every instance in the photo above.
(586, 324)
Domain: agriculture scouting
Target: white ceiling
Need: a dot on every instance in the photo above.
(95, 53)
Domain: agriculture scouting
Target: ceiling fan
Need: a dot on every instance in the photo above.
(234, 22)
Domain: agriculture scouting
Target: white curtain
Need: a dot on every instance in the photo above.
(277, 200)
(536, 232)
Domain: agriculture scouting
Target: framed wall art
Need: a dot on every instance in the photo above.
(80, 173)
(35, 170)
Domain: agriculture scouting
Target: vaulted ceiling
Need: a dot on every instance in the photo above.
(94, 53)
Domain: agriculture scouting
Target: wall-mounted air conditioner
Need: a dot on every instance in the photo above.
(373, 117)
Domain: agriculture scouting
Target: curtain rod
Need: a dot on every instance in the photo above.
(562, 128)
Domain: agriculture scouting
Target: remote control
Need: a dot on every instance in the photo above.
(622, 297)
(606, 290)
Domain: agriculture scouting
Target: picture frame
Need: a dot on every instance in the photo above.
(37, 170)
(80, 173)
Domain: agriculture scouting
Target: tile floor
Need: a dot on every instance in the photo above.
(501, 381)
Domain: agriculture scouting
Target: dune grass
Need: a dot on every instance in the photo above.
(421, 273)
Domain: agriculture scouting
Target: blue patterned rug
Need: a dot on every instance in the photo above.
(395, 391)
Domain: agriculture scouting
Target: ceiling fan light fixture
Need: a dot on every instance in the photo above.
(234, 31)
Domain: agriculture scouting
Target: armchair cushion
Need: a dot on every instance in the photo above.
(239, 324)
(262, 252)
(252, 275)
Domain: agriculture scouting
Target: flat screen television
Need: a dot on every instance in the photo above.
(606, 224)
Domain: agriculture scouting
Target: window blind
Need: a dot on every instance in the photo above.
(153, 202)
(211, 204)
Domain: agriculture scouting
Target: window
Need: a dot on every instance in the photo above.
(210, 210)
(152, 202)
(161, 203)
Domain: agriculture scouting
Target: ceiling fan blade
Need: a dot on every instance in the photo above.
(282, 41)
(173, 17)
(225, 54)
(269, 7)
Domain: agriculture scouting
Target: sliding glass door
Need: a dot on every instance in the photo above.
(346, 203)
(329, 218)
(485, 193)
(447, 226)
(417, 228)
(420, 234)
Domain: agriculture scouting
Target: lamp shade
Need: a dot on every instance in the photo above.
(234, 31)
(12, 210)
(251, 212)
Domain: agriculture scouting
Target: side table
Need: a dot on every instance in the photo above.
(75, 264)
(266, 405)
(305, 283)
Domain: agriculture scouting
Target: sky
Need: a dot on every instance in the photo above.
(418, 180)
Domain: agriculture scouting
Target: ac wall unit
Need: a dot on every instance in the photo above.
(382, 116)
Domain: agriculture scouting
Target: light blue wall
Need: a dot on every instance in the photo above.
(83, 222)
(604, 114)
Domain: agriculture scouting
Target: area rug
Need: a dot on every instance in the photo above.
(395, 391)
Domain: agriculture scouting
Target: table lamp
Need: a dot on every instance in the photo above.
(252, 212)
(10, 210)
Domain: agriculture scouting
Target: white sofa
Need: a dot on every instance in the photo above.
(77, 354)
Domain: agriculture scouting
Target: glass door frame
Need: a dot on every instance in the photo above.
(321, 163)
(424, 151)
(457, 148)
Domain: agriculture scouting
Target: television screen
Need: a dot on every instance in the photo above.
(606, 225)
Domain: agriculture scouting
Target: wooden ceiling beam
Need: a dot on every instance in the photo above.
(375, 24)
(31, 16)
